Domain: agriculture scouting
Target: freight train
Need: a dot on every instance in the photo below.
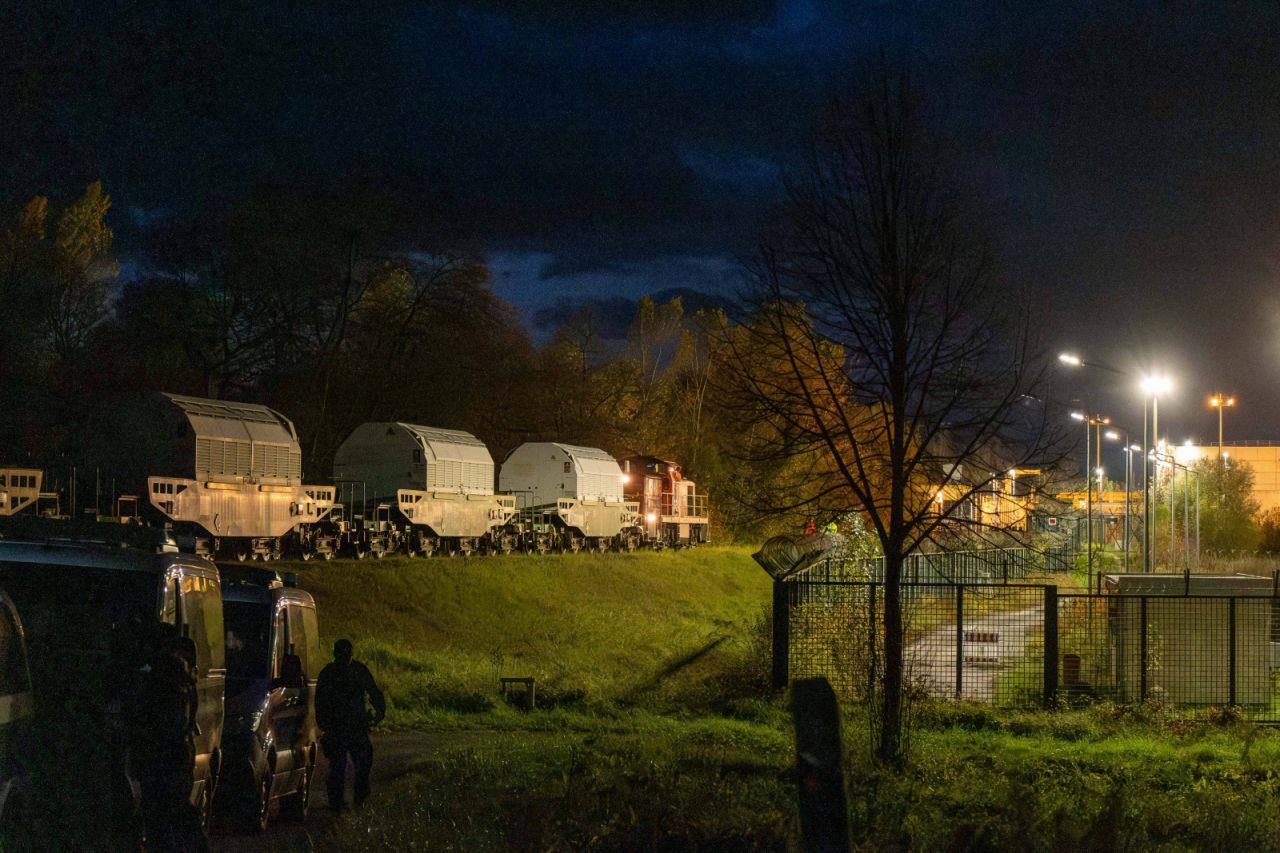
(226, 478)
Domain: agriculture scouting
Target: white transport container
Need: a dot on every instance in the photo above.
(239, 474)
(439, 479)
(579, 487)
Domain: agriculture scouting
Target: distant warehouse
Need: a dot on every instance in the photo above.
(1262, 456)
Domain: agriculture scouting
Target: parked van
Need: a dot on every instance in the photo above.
(273, 659)
(84, 605)
(15, 719)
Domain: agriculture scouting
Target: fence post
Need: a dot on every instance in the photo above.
(781, 635)
(1231, 654)
(1142, 649)
(1050, 646)
(959, 640)
(871, 641)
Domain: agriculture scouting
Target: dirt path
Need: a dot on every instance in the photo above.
(395, 754)
(991, 642)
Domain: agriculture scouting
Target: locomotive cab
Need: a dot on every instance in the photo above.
(673, 510)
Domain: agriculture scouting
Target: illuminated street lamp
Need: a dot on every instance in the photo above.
(1152, 385)
(1091, 422)
(1221, 402)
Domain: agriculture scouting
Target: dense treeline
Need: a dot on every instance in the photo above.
(309, 304)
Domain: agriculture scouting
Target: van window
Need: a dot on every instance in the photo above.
(202, 620)
(80, 624)
(313, 642)
(248, 634)
(281, 646)
(13, 659)
(306, 644)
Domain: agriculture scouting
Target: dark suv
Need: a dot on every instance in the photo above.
(273, 658)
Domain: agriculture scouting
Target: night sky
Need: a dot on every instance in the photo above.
(1128, 155)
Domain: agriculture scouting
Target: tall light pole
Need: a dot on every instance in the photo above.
(1221, 402)
(1091, 422)
(1129, 449)
(1152, 387)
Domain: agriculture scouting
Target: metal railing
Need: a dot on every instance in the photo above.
(988, 565)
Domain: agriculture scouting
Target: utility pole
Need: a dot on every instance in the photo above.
(1221, 402)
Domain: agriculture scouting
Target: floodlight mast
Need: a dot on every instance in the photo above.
(1152, 386)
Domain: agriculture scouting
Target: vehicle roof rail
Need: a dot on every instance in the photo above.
(156, 540)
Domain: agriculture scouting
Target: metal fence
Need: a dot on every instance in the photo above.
(1024, 645)
(989, 565)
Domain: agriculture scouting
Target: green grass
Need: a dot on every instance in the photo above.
(1102, 778)
(659, 735)
(648, 628)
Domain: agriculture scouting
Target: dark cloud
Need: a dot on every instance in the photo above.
(1129, 155)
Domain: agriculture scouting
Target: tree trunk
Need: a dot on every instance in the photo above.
(889, 748)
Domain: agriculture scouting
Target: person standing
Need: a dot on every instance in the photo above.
(163, 745)
(344, 692)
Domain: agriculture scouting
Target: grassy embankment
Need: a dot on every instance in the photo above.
(594, 630)
(661, 740)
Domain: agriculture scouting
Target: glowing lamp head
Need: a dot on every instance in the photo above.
(626, 478)
(1112, 434)
(1079, 416)
(1154, 385)
(651, 517)
(1070, 359)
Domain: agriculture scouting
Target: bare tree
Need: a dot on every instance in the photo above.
(885, 361)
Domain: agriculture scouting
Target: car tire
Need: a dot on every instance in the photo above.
(255, 816)
(298, 804)
(12, 824)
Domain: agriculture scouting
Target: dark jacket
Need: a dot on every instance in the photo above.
(340, 699)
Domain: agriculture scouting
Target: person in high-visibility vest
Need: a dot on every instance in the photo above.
(831, 528)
